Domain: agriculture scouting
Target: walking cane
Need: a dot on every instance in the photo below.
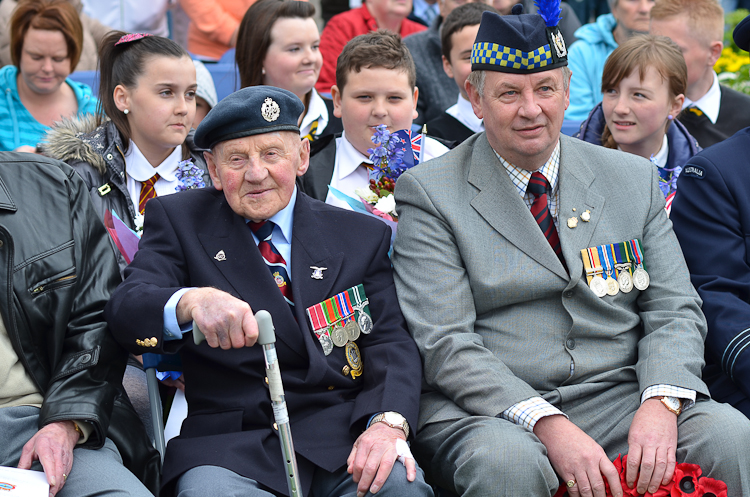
(267, 339)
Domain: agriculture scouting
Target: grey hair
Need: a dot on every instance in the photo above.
(476, 79)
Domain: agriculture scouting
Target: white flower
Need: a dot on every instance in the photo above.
(138, 221)
(366, 194)
(387, 205)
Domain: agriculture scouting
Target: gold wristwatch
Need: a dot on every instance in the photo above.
(673, 404)
(392, 419)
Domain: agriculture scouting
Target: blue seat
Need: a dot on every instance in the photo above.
(570, 127)
(90, 78)
(226, 78)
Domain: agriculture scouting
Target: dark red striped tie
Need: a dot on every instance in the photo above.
(147, 192)
(538, 186)
(275, 262)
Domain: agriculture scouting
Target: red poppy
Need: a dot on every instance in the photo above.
(685, 480)
(712, 488)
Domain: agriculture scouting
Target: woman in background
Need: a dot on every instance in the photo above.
(46, 40)
(279, 45)
(643, 84)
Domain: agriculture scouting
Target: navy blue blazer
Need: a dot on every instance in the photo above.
(230, 420)
(711, 217)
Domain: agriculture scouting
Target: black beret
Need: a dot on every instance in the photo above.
(250, 111)
(741, 34)
(520, 43)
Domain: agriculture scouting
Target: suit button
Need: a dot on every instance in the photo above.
(266, 379)
(109, 156)
(570, 343)
(276, 427)
(569, 294)
(330, 387)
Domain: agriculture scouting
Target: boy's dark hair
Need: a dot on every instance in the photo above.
(468, 14)
(122, 64)
(381, 48)
(254, 35)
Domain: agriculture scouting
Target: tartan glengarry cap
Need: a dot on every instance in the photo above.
(520, 43)
(250, 111)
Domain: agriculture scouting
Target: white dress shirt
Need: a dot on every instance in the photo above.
(464, 113)
(710, 103)
(316, 109)
(138, 169)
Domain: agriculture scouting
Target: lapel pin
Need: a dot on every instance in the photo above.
(574, 209)
(586, 216)
(572, 222)
(220, 256)
(317, 273)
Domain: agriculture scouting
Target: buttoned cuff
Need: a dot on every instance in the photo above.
(172, 329)
(686, 395)
(527, 412)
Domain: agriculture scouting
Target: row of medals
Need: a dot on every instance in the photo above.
(623, 283)
(349, 332)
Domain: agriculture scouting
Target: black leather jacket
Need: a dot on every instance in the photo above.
(58, 271)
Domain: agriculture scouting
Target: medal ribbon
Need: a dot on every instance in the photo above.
(587, 265)
(639, 253)
(604, 256)
(331, 312)
(317, 318)
(610, 249)
(361, 299)
(593, 254)
(623, 256)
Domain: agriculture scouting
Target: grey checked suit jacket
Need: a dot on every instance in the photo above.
(496, 317)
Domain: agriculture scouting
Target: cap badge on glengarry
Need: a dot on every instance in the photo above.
(559, 43)
(270, 110)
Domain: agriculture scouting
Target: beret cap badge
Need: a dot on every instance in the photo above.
(270, 110)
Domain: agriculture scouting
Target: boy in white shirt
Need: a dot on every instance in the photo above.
(375, 84)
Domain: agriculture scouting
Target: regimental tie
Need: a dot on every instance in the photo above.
(147, 192)
(538, 186)
(275, 262)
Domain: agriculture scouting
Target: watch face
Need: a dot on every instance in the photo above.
(393, 418)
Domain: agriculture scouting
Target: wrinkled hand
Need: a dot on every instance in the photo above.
(652, 442)
(576, 456)
(53, 447)
(372, 458)
(226, 321)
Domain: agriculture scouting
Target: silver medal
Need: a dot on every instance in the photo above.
(641, 279)
(338, 335)
(598, 286)
(625, 281)
(365, 322)
(352, 330)
(612, 287)
(325, 341)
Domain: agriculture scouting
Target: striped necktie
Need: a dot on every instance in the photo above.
(147, 192)
(538, 186)
(273, 259)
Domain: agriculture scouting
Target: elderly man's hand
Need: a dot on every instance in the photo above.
(372, 457)
(576, 456)
(652, 442)
(53, 447)
(226, 321)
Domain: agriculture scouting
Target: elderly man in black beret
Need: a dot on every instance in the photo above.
(547, 352)
(214, 256)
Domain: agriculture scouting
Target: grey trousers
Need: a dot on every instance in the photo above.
(486, 456)
(94, 473)
(214, 480)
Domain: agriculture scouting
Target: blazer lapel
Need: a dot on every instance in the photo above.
(499, 203)
(575, 193)
(236, 256)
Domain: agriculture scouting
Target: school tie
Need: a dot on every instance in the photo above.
(275, 262)
(371, 173)
(147, 192)
(538, 186)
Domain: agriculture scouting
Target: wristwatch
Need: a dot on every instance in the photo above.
(673, 404)
(392, 419)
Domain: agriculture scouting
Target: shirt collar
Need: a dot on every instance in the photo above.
(140, 169)
(348, 158)
(464, 113)
(660, 157)
(316, 109)
(520, 177)
(709, 103)
(284, 219)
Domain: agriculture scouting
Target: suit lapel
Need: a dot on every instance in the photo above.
(575, 193)
(499, 203)
(235, 255)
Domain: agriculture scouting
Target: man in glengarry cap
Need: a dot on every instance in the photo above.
(522, 266)
(216, 256)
